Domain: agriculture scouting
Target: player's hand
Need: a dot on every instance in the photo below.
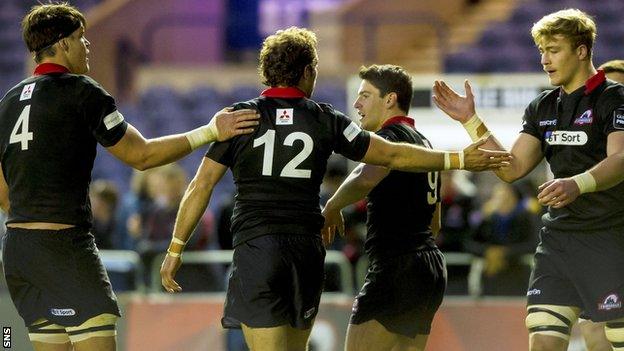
(232, 123)
(459, 107)
(168, 270)
(334, 222)
(558, 192)
(477, 159)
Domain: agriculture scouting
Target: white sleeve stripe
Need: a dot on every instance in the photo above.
(113, 119)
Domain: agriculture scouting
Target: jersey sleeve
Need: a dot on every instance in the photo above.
(350, 140)
(223, 151)
(106, 123)
(530, 124)
(612, 107)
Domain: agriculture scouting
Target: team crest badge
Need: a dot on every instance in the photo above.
(610, 302)
(586, 118)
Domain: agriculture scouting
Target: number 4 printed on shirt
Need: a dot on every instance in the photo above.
(24, 136)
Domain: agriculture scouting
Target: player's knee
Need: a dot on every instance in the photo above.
(550, 320)
(102, 325)
(614, 331)
(44, 331)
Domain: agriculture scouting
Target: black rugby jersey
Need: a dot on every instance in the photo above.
(278, 169)
(573, 129)
(401, 206)
(49, 126)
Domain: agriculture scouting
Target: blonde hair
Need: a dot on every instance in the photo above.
(613, 66)
(577, 26)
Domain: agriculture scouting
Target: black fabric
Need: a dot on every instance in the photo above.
(403, 293)
(276, 279)
(401, 206)
(56, 275)
(278, 169)
(582, 270)
(49, 175)
(573, 130)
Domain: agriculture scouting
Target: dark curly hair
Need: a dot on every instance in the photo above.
(46, 24)
(390, 79)
(285, 55)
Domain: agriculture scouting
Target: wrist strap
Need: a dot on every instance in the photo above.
(203, 135)
(453, 160)
(476, 128)
(585, 181)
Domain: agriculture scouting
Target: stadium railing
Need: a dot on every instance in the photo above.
(125, 262)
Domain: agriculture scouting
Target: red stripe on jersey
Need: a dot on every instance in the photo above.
(289, 92)
(398, 120)
(594, 81)
(46, 68)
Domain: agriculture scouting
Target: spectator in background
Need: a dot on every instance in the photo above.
(103, 196)
(157, 222)
(506, 233)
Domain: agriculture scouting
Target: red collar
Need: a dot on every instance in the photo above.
(594, 81)
(47, 68)
(289, 92)
(398, 120)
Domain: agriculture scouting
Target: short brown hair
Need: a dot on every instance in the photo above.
(573, 24)
(46, 24)
(613, 66)
(390, 79)
(285, 55)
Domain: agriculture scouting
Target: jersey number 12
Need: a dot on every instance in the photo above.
(20, 133)
(290, 170)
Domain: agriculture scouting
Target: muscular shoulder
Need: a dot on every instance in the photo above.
(611, 98)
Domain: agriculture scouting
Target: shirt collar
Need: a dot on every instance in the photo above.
(398, 120)
(47, 68)
(289, 92)
(594, 81)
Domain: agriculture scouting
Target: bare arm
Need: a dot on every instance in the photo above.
(526, 152)
(140, 153)
(413, 158)
(192, 207)
(355, 187)
(4, 193)
(606, 174)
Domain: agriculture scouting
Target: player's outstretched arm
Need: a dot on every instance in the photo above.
(192, 207)
(413, 158)
(141, 153)
(526, 151)
(4, 193)
(355, 187)
(606, 174)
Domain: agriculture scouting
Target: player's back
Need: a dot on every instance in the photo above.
(401, 206)
(48, 128)
(279, 168)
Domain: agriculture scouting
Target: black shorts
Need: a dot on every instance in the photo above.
(276, 279)
(56, 275)
(585, 270)
(403, 293)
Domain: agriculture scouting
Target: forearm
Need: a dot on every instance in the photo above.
(163, 150)
(609, 172)
(351, 190)
(192, 208)
(409, 157)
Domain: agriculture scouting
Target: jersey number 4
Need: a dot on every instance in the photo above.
(290, 170)
(20, 133)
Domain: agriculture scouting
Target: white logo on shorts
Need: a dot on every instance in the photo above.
(63, 312)
(610, 302)
(309, 313)
(534, 292)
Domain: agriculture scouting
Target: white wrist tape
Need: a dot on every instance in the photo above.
(174, 254)
(585, 182)
(203, 135)
(476, 128)
(453, 160)
(178, 241)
